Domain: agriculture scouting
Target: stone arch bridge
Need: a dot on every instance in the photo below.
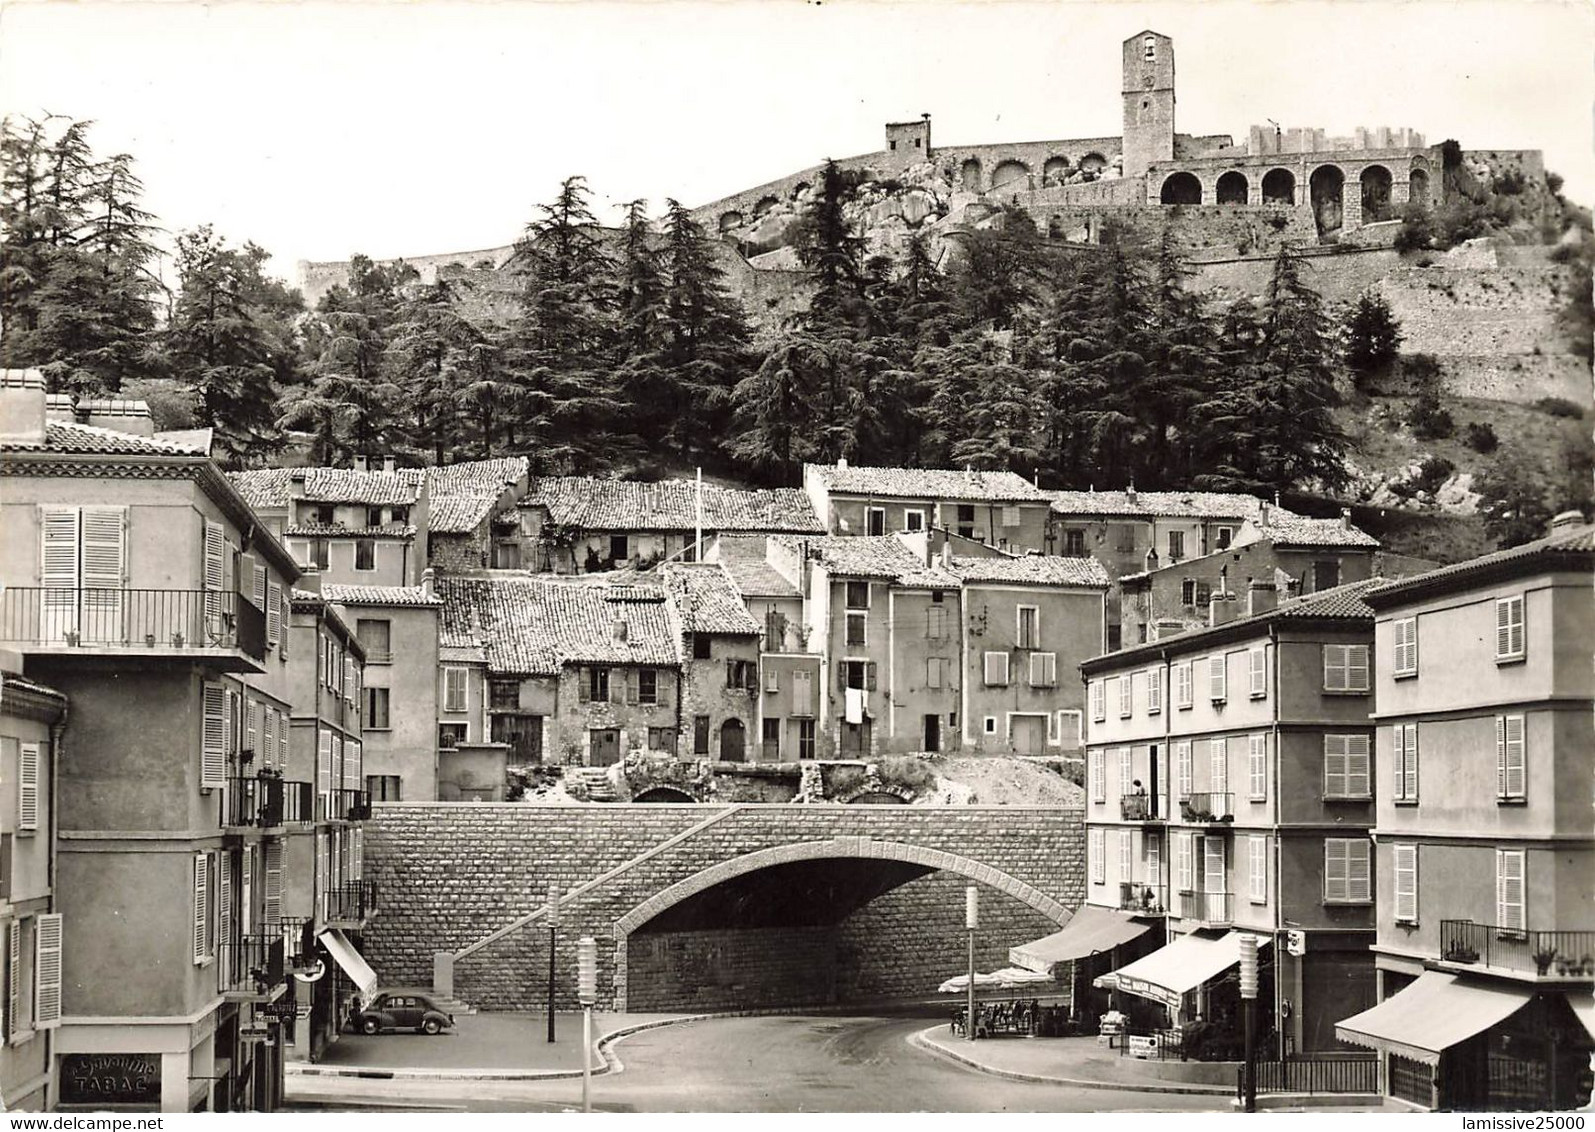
(711, 907)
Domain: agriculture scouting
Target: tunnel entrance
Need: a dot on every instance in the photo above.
(818, 932)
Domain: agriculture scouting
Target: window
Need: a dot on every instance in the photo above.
(1224, 536)
(1188, 592)
(936, 672)
(1257, 661)
(376, 635)
(1183, 773)
(856, 628)
(1347, 870)
(1184, 681)
(376, 715)
(1099, 864)
(1126, 771)
(1405, 661)
(1184, 861)
(1149, 48)
(700, 735)
(875, 520)
(936, 623)
(1071, 727)
(1099, 708)
(1218, 765)
(506, 555)
(1509, 889)
(1214, 865)
(1216, 678)
(454, 689)
(399, 515)
(858, 674)
(1126, 695)
(772, 681)
(1029, 628)
(1043, 669)
(802, 692)
(700, 646)
(1074, 543)
(1405, 858)
(1257, 862)
(365, 554)
(913, 520)
(857, 595)
(373, 516)
(1345, 668)
(966, 520)
(1326, 575)
(1509, 628)
(1154, 691)
(1176, 545)
(648, 685)
(201, 923)
(1404, 754)
(805, 738)
(504, 695)
(1346, 767)
(991, 725)
(770, 733)
(743, 675)
(451, 735)
(1097, 768)
(1510, 770)
(1257, 766)
(596, 685)
(1126, 855)
(619, 548)
(996, 669)
(320, 553)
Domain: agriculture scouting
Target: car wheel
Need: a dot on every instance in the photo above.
(431, 1026)
(371, 1025)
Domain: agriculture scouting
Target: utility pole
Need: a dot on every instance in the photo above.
(587, 991)
(971, 921)
(553, 934)
(1248, 946)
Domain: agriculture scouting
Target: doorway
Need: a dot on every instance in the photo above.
(733, 741)
(605, 746)
(1029, 734)
(932, 732)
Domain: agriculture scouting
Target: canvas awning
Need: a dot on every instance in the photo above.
(1092, 929)
(1584, 1006)
(1423, 1020)
(352, 962)
(1170, 972)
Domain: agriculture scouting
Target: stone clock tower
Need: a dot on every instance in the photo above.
(1148, 101)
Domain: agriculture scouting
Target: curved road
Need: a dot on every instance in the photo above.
(767, 1064)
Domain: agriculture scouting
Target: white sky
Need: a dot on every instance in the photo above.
(319, 130)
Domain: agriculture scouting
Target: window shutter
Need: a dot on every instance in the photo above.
(996, 668)
(58, 548)
(282, 739)
(1515, 640)
(1187, 684)
(1154, 690)
(357, 853)
(1516, 769)
(1098, 701)
(1334, 668)
(1183, 854)
(1357, 765)
(1356, 668)
(201, 908)
(1335, 868)
(14, 979)
(1218, 765)
(214, 574)
(1098, 853)
(1213, 865)
(1257, 758)
(273, 881)
(1257, 863)
(1409, 765)
(1406, 865)
(1336, 773)
(213, 738)
(324, 770)
(1359, 870)
(251, 729)
(246, 891)
(28, 787)
(1258, 660)
(1126, 855)
(1182, 765)
(1126, 769)
(224, 912)
(273, 613)
(1509, 889)
(1216, 678)
(1126, 694)
(1503, 627)
(869, 675)
(104, 548)
(261, 590)
(1099, 786)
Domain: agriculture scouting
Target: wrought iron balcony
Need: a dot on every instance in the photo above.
(299, 942)
(211, 623)
(1145, 899)
(1198, 809)
(1141, 807)
(1551, 955)
(350, 805)
(1207, 907)
(352, 903)
(250, 967)
(253, 802)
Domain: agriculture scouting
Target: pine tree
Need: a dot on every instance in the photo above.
(1372, 337)
(428, 360)
(644, 381)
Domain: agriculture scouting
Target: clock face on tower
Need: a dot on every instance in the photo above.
(1148, 80)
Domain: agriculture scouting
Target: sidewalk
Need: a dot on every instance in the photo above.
(504, 1047)
(1078, 1062)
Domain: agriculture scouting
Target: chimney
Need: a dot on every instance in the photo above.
(841, 463)
(309, 580)
(22, 402)
(1152, 562)
(1261, 597)
(426, 581)
(619, 626)
(117, 415)
(1129, 493)
(1163, 630)
(360, 463)
(1345, 518)
(388, 465)
(1263, 521)
(1566, 520)
(1221, 610)
(947, 554)
(969, 473)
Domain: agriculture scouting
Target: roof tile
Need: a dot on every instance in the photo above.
(926, 483)
(707, 600)
(87, 440)
(1172, 504)
(378, 595)
(669, 505)
(1037, 569)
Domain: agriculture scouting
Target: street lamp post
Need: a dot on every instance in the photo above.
(553, 933)
(1248, 946)
(587, 991)
(971, 921)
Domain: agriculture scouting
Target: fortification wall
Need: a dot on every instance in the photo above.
(1246, 229)
(317, 278)
(1492, 311)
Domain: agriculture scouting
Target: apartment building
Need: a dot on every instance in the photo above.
(32, 717)
(1485, 946)
(996, 509)
(721, 687)
(1228, 791)
(139, 584)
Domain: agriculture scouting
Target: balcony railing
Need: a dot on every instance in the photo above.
(253, 802)
(352, 902)
(1549, 954)
(350, 805)
(1146, 899)
(251, 965)
(298, 803)
(1200, 808)
(299, 942)
(147, 621)
(1141, 807)
(1207, 907)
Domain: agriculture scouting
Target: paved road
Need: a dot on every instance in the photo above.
(770, 1064)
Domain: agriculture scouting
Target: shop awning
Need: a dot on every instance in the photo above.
(1425, 1019)
(1092, 929)
(353, 964)
(1170, 972)
(1584, 1006)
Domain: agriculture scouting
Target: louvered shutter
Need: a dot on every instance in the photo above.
(1154, 690)
(1516, 767)
(282, 739)
(1258, 660)
(13, 979)
(357, 854)
(583, 686)
(1218, 765)
(1099, 865)
(348, 677)
(1336, 775)
(1409, 765)
(1257, 866)
(213, 738)
(268, 736)
(224, 916)
(1183, 861)
(1126, 769)
(273, 893)
(201, 923)
(104, 558)
(28, 787)
(230, 724)
(996, 668)
(1356, 668)
(1359, 870)
(1099, 786)
(1182, 767)
(252, 711)
(869, 676)
(1154, 863)
(1335, 675)
(1503, 627)
(58, 572)
(1358, 782)
(323, 870)
(324, 772)
(1335, 868)
(1126, 855)
(1217, 678)
(1257, 764)
(214, 574)
(246, 891)
(1213, 865)
(1406, 868)
(273, 613)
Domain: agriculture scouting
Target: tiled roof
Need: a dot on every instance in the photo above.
(345, 485)
(462, 654)
(458, 514)
(1037, 569)
(1171, 504)
(87, 440)
(669, 505)
(378, 595)
(926, 483)
(1297, 531)
(321, 530)
(264, 488)
(707, 600)
(475, 477)
(531, 625)
(878, 556)
(201, 439)
(744, 560)
(1570, 549)
(1341, 601)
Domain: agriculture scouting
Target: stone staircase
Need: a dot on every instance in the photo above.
(594, 780)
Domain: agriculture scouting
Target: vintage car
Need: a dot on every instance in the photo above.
(401, 1010)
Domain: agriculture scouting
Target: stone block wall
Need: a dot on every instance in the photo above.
(1478, 311)
(455, 554)
(1242, 229)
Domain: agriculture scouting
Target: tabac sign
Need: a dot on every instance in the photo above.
(110, 1078)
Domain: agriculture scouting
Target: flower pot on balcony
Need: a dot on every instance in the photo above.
(1542, 960)
(149, 640)
(72, 638)
(1461, 953)
(177, 640)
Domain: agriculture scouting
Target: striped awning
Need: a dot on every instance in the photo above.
(1171, 972)
(1423, 1020)
(352, 962)
(1091, 930)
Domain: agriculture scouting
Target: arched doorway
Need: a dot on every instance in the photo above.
(1233, 188)
(764, 205)
(664, 794)
(1279, 187)
(733, 741)
(1326, 186)
(1181, 188)
(1055, 171)
(1010, 176)
(1375, 194)
(730, 220)
(1418, 188)
(1092, 164)
(969, 175)
(877, 798)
